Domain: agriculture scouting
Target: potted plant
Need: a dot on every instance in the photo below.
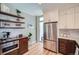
(18, 12)
(29, 36)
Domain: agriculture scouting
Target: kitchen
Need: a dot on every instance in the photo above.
(60, 25)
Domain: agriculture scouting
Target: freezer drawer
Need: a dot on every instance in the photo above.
(50, 45)
(47, 44)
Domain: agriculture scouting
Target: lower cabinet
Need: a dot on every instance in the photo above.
(23, 46)
(66, 47)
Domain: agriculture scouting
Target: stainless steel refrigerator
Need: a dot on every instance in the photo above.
(50, 36)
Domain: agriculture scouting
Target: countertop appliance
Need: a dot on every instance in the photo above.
(50, 36)
(6, 34)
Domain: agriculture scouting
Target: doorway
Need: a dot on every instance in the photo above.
(41, 28)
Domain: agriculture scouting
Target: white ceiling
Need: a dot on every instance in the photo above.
(52, 6)
(37, 9)
(29, 8)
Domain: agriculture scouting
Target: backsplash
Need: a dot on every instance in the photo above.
(64, 33)
(72, 34)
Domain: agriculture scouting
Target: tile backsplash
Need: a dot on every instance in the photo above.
(72, 34)
(64, 33)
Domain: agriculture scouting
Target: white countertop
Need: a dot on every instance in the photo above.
(77, 40)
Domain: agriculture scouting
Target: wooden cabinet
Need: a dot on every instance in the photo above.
(23, 45)
(66, 46)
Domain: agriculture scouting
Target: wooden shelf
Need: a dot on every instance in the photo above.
(5, 13)
(12, 27)
(11, 21)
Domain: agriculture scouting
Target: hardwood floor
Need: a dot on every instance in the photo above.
(37, 49)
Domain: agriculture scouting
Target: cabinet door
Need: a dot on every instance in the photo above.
(46, 17)
(66, 19)
(70, 18)
(76, 19)
(53, 16)
(62, 22)
(23, 45)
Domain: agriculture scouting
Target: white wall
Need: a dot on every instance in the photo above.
(30, 20)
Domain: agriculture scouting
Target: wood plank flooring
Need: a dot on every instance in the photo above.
(37, 49)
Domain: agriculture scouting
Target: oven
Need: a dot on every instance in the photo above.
(9, 46)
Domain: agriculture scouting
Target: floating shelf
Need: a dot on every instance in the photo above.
(11, 21)
(9, 14)
(12, 27)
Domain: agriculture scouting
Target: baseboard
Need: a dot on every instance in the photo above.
(31, 43)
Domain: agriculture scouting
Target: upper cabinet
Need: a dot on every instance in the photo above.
(76, 18)
(66, 19)
(46, 17)
(70, 18)
(51, 16)
(62, 19)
